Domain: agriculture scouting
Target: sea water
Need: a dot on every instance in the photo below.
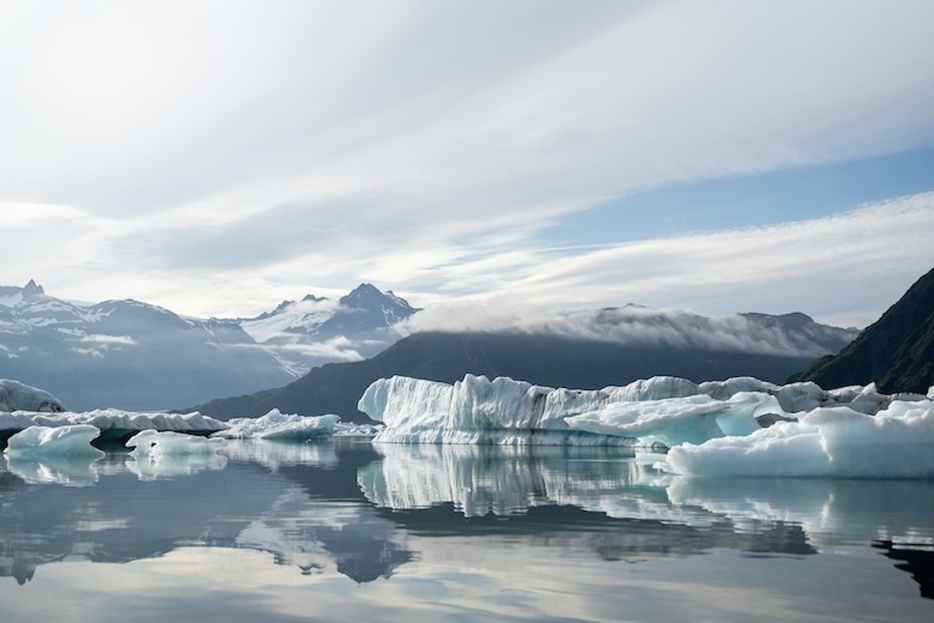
(343, 530)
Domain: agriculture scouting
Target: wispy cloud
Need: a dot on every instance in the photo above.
(116, 340)
(845, 269)
(217, 166)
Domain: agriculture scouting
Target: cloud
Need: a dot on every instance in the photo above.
(105, 340)
(216, 166)
(846, 269)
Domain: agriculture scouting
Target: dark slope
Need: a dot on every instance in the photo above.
(539, 359)
(896, 352)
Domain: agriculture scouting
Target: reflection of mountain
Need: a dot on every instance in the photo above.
(123, 518)
(918, 562)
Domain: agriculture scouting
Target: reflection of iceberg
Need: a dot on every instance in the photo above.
(505, 481)
(156, 466)
(43, 441)
(71, 471)
(274, 454)
(832, 512)
(276, 425)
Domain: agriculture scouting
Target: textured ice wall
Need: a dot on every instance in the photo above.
(737, 427)
(113, 423)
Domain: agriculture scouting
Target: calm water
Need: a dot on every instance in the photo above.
(345, 531)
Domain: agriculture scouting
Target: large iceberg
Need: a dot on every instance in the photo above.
(740, 426)
(477, 410)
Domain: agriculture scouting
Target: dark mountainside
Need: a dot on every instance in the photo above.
(896, 352)
(540, 359)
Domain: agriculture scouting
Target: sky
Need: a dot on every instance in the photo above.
(480, 159)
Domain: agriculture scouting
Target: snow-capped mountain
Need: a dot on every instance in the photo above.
(316, 330)
(124, 353)
(133, 355)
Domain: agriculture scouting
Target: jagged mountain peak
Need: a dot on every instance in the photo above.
(32, 288)
(364, 295)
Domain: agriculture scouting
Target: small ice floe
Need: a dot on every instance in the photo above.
(281, 426)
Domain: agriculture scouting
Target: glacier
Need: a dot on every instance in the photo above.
(735, 427)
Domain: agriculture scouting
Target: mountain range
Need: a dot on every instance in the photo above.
(581, 350)
(137, 356)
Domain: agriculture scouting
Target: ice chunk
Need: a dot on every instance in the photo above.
(837, 441)
(276, 425)
(73, 440)
(672, 421)
(16, 396)
(155, 443)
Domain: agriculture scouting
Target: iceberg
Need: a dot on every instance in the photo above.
(276, 425)
(477, 410)
(113, 425)
(827, 442)
(735, 427)
(16, 396)
(151, 443)
(38, 441)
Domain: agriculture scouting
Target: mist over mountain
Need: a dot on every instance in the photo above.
(137, 356)
(599, 348)
(896, 352)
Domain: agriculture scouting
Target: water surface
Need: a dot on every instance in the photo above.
(347, 531)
